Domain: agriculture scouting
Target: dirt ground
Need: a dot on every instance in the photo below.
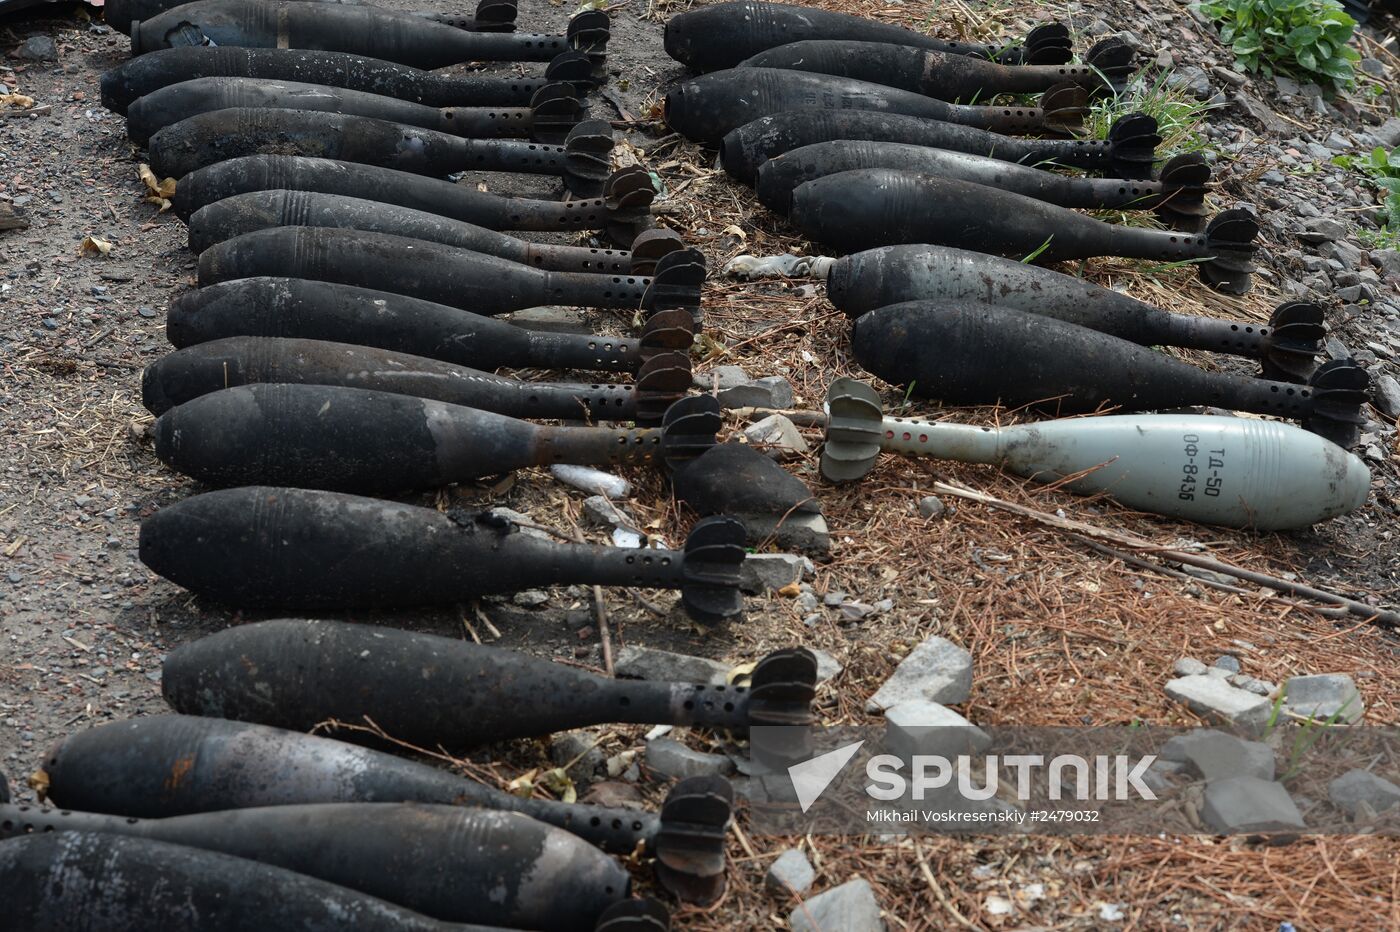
(1061, 633)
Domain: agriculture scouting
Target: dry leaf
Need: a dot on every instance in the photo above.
(523, 785)
(558, 783)
(734, 231)
(791, 591)
(163, 188)
(94, 246)
(39, 783)
(16, 100)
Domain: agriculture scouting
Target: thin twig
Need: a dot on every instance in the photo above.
(1380, 616)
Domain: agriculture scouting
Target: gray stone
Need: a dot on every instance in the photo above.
(1322, 230)
(576, 751)
(1336, 349)
(1249, 804)
(1388, 133)
(552, 319)
(1189, 666)
(1388, 261)
(1323, 696)
(1220, 673)
(729, 377)
(791, 874)
(1372, 66)
(1232, 78)
(828, 666)
(1215, 755)
(931, 506)
(1227, 662)
(850, 907)
(530, 598)
(1387, 396)
(645, 663)
(769, 572)
(936, 671)
(807, 601)
(771, 391)
(1251, 685)
(776, 436)
(521, 521)
(855, 611)
(600, 510)
(1217, 701)
(37, 48)
(672, 759)
(1355, 787)
(1158, 777)
(920, 727)
(1192, 79)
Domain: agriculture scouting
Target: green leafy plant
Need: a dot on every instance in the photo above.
(1382, 169)
(1302, 38)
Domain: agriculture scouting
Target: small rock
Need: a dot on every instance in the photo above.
(1220, 673)
(530, 598)
(1158, 776)
(1218, 701)
(920, 727)
(850, 907)
(576, 748)
(1189, 666)
(1227, 662)
(771, 391)
(807, 601)
(790, 874)
(931, 506)
(1249, 804)
(769, 572)
(600, 510)
(1388, 133)
(802, 531)
(828, 666)
(777, 435)
(1387, 396)
(1322, 230)
(1251, 685)
(1355, 787)
(521, 521)
(147, 312)
(37, 48)
(936, 671)
(1372, 66)
(672, 759)
(1195, 81)
(1324, 697)
(1232, 78)
(855, 611)
(645, 663)
(1388, 261)
(1215, 755)
(728, 377)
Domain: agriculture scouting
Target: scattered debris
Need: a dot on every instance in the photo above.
(770, 572)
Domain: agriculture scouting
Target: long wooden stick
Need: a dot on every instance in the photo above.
(1379, 616)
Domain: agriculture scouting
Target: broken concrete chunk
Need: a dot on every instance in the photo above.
(827, 665)
(850, 907)
(600, 510)
(936, 671)
(1215, 755)
(645, 663)
(776, 436)
(1249, 804)
(769, 572)
(1217, 701)
(726, 376)
(790, 874)
(802, 531)
(1355, 787)
(672, 759)
(921, 727)
(771, 391)
(1324, 697)
(1189, 666)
